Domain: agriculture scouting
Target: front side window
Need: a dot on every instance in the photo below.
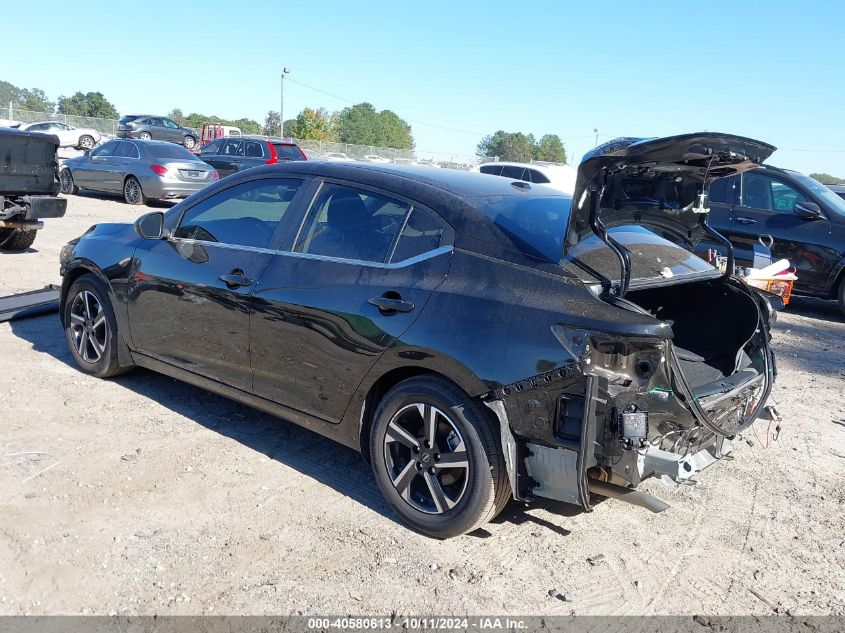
(107, 149)
(243, 215)
(422, 233)
(211, 148)
(351, 224)
(169, 123)
(493, 170)
(759, 191)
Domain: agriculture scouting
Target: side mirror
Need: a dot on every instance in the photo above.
(150, 226)
(808, 210)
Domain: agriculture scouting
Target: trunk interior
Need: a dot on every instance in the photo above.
(714, 324)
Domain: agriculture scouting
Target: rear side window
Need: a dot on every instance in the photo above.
(534, 225)
(422, 233)
(243, 215)
(723, 190)
(350, 223)
(510, 171)
(170, 150)
(288, 152)
(232, 148)
(253, 149)
(127, 150)
(537, 176)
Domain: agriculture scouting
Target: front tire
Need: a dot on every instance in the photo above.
(132, 192)
(145, 136)
(17, 239)
(436, 458)
(189, 142)
(86, 141)
(68, 186)
(90, 328)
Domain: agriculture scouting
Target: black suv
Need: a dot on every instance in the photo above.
(805, 218)
(160, 128)
(236, 153)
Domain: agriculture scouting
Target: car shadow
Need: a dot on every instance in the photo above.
(154, 204)
(819, 309)
(311, 454)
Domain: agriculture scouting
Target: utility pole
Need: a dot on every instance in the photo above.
(596, 130)
(285, 71)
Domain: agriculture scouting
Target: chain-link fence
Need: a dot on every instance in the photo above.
(10, 115)
(315, 150)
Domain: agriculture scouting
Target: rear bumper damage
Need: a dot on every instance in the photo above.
(622, 413)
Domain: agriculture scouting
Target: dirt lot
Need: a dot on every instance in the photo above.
(145, 495)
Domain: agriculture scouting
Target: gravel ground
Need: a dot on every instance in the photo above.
(145, 495)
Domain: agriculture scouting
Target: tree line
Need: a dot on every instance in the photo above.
(90, 104)
(522, 148)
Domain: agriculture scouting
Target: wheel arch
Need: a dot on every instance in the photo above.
(366, 401)
(85, 267)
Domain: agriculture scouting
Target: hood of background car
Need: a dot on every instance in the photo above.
(655, 182)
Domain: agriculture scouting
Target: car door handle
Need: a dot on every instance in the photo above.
(743, 220)
(391, 305)
(236, 279)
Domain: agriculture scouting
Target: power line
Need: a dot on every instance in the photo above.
(418, 122)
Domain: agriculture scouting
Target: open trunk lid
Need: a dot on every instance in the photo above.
(658, 183)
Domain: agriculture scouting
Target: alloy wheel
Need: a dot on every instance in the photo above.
(65, 181)
(86, 142)
(88, 326)
(132, 191)
(145, 136)
(426, 458)
(189, 142)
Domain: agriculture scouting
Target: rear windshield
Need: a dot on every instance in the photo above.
(127, 118)
(170, 150)
(288, 152)
(535, 225)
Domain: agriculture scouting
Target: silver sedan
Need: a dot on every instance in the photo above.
(139, 170)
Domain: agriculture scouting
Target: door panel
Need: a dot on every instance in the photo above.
(315, 332)
(189, 299)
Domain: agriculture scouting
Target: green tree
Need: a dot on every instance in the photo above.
(248, 126)
(510, 146)
(92, 104)
(312, 125)
(271, 124)
(8, 93)
(177, 115)
(35, 100)
(361, 124)
(827, 179)
(550, 149)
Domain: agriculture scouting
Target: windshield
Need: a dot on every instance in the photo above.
(535, 225)
(831, 200)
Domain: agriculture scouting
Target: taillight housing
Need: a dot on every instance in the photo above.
(215, 175)
(274, 158)
(161, 170)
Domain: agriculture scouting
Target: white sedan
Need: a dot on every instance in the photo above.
(69, 136)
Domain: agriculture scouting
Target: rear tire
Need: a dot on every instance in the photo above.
(145, 136)
(17, 239)
(86, 141)
(189, 142)
(842, 295)
(91, 329)
(132, 192)
(68, 186)
(416, 475)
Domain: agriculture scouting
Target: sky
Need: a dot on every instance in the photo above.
(456, 70)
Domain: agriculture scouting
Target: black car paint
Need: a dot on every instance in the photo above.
(502, 325)
(815, 247)
(228, 164)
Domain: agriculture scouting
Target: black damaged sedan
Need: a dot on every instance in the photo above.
(475, 339)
